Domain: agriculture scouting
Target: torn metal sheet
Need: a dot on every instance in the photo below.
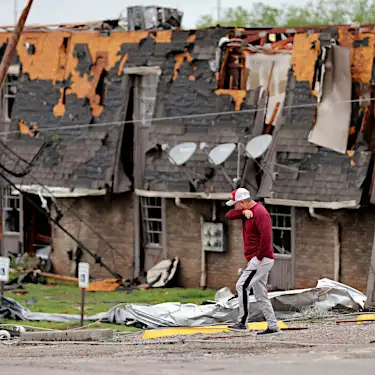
(269, 70)
(331, 129)
(325, 296)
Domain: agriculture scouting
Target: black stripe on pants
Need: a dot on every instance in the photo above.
(245, 299)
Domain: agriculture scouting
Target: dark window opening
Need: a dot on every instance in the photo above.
(11, 220)
(101, 86)
(362, 121)
(233, 72)
(9, 92)
(11, 211)
(128, 139)
(37, 226)
(30, 48)
(66, 43)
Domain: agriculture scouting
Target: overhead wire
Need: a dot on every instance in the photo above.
(64, 128)
(179, 117)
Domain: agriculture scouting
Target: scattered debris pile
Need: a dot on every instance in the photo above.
(327, 295)
(159, 276)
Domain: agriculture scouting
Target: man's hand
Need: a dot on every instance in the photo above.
(248, 214)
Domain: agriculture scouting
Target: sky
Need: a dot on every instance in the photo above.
(65, 11)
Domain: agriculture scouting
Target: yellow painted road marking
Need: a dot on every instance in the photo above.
(164, 332)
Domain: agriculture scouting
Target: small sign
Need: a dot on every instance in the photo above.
(83, 275)
(4, 269)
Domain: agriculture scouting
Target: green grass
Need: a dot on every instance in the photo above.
(65, 298)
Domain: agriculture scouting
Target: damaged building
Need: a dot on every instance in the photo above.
(133, 140)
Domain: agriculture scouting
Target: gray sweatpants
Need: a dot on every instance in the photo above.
(255, 276)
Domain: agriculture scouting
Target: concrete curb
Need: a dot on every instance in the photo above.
(83, 335)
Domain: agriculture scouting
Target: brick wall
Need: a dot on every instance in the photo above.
(184, 241)
(314, 242)
(314, 258)
(113, 220)
(313, 249)
(314, 246)
(356, 246)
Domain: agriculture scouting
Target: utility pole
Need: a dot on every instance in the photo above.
(218, 11)
(15, 12)
(12, 43)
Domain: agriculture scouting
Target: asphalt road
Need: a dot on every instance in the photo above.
(344, 361)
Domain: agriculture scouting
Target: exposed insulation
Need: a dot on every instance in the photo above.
(59, 108)
(306, 50)
(163, 36)
(26, 130)
(361, 54)
(192, 38)
(179, 60)
(123, 61)
(49, 59)
(238, 96)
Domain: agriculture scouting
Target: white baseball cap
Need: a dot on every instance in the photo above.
(238, 195)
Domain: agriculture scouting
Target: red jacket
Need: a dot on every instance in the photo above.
(257, 232)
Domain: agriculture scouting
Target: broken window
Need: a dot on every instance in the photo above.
(281, 217)
(153, 220)
(11, 211)
(8, 96)
(233, 72)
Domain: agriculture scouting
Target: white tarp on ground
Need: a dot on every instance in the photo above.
(326, 295)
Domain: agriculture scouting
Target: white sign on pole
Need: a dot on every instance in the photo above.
(83, 275)
(4, 269)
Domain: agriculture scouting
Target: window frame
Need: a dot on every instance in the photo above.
(6, 94)
(153, 225)
(7, 196)
(285, 217)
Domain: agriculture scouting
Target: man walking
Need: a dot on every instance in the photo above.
(258, 248)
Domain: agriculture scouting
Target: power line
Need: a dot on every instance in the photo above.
(44, 188)
(63, 128)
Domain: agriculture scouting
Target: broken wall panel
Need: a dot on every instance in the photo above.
(331, 129)
(324, 175)
(272, 71)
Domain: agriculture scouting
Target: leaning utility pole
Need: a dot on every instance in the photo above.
(15, 11)
(12, 44)
(218, 11)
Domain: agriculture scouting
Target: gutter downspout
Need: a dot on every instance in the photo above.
(336, 241)
(179, 204)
